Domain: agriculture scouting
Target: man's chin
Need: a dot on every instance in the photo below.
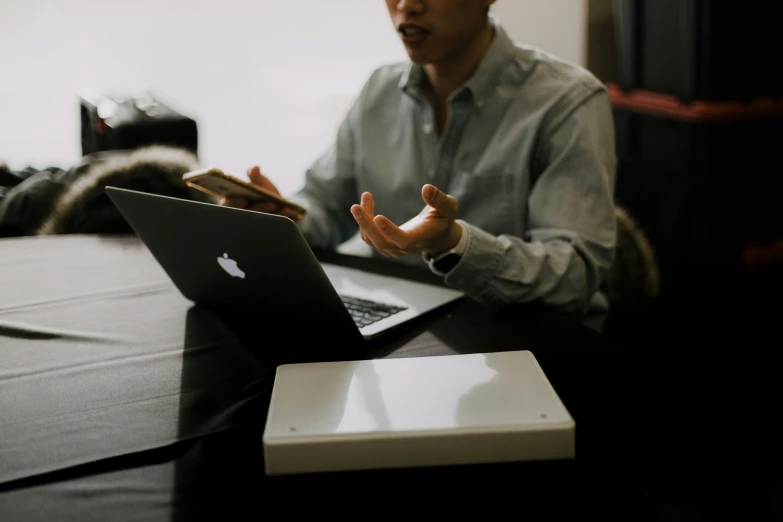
(420, 57)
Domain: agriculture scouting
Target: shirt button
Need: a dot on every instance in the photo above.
(427, 128)
(431, 173)
(481, 103)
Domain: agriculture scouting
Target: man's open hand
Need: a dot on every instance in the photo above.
(432, 231)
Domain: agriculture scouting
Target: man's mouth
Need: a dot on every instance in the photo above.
(413, 34)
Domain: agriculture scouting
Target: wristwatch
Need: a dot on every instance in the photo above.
(445, 262)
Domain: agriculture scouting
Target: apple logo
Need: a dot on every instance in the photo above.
(230, 266)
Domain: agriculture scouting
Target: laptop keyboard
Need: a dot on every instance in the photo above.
(366, 312)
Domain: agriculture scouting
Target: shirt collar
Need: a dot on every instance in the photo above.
(482, 83)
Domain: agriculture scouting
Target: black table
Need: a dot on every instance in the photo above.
(121, 400)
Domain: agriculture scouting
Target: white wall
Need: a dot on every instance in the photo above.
(267, 81)
(558, 26)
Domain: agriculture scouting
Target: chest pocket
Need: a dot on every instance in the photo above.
(486, 200)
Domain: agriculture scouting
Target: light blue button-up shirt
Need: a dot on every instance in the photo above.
(528, 151)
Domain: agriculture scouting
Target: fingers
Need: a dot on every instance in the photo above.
(370, 232)
(254, 173)
(386, 252)
(270, 207)
(246, 204)
(395, 234)
(440, 201)
(233, 202)
(267, 207)
(367, 240)
(368, 204)
(291, 214)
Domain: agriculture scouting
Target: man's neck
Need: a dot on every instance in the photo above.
(446, 77)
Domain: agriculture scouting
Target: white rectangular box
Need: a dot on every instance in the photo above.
(425, 411)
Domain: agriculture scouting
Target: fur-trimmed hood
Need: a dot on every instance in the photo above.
(83, 206)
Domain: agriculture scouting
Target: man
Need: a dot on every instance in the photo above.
(510, 149)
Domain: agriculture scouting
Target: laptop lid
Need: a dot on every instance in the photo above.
(254, 270)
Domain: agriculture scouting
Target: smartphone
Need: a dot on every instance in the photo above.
(217, 183)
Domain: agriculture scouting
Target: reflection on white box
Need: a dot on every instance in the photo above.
(426, 411)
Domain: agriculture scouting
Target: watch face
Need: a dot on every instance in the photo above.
(447, 262)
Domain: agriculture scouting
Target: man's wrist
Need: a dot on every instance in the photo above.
(453, 238)
(448, 259)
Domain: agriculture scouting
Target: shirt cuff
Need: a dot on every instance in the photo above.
(482, 257)
(459, 249)
(463, 239)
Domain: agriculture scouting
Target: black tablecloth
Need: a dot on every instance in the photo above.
(121, 400)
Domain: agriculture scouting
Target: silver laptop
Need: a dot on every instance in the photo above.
(259, 267)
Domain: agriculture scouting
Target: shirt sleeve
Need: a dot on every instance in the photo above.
(568, 248)
(330, 189)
